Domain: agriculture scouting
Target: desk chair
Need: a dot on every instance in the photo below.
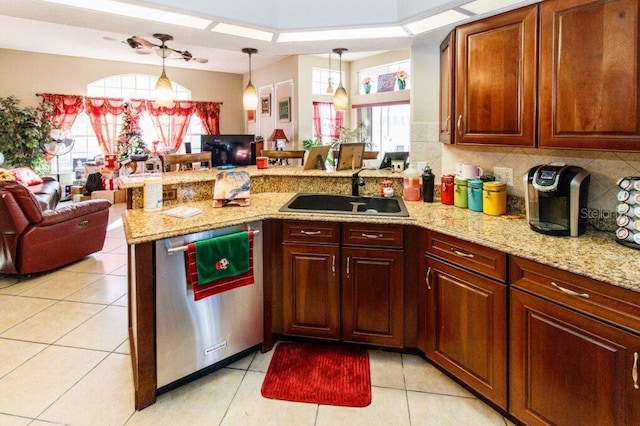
(177, 162)
(284, 156)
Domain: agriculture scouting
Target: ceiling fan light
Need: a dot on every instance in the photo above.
(164, 91)
(340, 99)
(250, 97)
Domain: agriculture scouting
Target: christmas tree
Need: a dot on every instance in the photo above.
(130, 142)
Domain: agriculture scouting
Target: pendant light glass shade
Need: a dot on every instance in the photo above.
(250, 97)
(164, 91)
(330, 86)
(250, 94)
(340, 98)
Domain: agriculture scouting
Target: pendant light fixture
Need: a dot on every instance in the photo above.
(330, 86)
(250, 95)
(164, 91)
(340, 98)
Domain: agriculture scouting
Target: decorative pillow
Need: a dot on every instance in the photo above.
(6, 175)
(26, 176)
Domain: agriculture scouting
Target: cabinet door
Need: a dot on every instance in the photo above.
(589, 74)
(467, 328)
(569, 369)
(311, 293)
(372, 297)
(447, 78)
(496, 72)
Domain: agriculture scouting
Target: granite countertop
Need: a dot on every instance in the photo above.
(594, 254)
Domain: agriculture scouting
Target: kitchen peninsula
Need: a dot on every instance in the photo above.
(590, 277)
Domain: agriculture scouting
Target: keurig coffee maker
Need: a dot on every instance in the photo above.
(556, 199)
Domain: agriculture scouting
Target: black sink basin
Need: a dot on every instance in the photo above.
(346, 204)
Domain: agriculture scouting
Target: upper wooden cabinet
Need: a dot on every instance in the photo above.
(589, 74)
(447, 60)
(495, 79)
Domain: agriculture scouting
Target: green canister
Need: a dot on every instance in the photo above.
(475, 194)
(460, 192)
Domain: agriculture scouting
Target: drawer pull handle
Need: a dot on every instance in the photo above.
(569, 292)
(348, 262)
(333, 265)
(460, 125)
(462, 254)
(372, 236)
(634, 371)
(426, 279)
(310, 232)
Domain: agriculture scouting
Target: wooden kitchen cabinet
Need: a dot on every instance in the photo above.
(589, 74)
(311, 279)
(447, 88)
(359, 299)
(574, 346)
(496, 79)
(466, 319)
(373, 285)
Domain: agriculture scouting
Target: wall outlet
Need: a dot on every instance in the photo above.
(504, 174)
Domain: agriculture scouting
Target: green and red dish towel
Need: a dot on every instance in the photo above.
(219, 264)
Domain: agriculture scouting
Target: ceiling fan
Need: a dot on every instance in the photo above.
(143, 47)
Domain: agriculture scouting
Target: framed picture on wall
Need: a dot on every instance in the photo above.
(284, 109)
(386, 82)
(251, 116)
(265, 104)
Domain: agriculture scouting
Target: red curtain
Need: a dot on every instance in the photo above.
(65, 109)
(209, 114)
(171, 122)
(105, 115)
(325, 110)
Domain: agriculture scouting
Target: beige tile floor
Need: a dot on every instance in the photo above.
(64, 359)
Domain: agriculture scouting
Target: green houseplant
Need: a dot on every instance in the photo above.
(23, 130)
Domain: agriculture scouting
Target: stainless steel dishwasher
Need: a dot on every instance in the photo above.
(193, 338)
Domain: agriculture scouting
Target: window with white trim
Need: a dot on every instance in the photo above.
(320, 80)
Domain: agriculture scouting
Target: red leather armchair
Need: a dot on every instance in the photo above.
(36, 240)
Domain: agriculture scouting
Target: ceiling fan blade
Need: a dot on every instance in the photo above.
(143, 42)
(200, 60)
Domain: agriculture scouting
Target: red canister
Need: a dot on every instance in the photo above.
(446, 189)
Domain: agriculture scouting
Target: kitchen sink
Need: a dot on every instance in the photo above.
(346, 204)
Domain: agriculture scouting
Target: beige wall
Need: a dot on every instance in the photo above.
(24, 74)
(605, 167)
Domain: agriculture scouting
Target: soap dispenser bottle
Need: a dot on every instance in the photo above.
(428, 182)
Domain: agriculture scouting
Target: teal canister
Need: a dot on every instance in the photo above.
(474, 199)
(460, 192)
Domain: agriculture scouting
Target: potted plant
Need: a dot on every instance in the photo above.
(23, 132)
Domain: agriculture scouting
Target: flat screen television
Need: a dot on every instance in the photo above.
(389, 156)
(235, 150)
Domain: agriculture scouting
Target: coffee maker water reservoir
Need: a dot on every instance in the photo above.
(556, 199)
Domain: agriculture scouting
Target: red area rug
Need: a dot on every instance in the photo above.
(319, 374)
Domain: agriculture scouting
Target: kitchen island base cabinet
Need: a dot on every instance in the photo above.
(466, 328)
(357, 299)
(372, 297)
(311, 291)
(570, 369)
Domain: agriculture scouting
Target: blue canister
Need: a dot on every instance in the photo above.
(474, 189)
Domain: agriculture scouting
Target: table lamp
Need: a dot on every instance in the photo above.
(279, 138)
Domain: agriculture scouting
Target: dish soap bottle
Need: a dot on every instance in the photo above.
(411, 185)
(428, 182)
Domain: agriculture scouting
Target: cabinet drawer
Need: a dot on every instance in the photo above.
(301, 231)
(372, 235)
(480, 259)
(613, 304)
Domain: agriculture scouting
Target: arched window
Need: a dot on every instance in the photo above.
(127, 86)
